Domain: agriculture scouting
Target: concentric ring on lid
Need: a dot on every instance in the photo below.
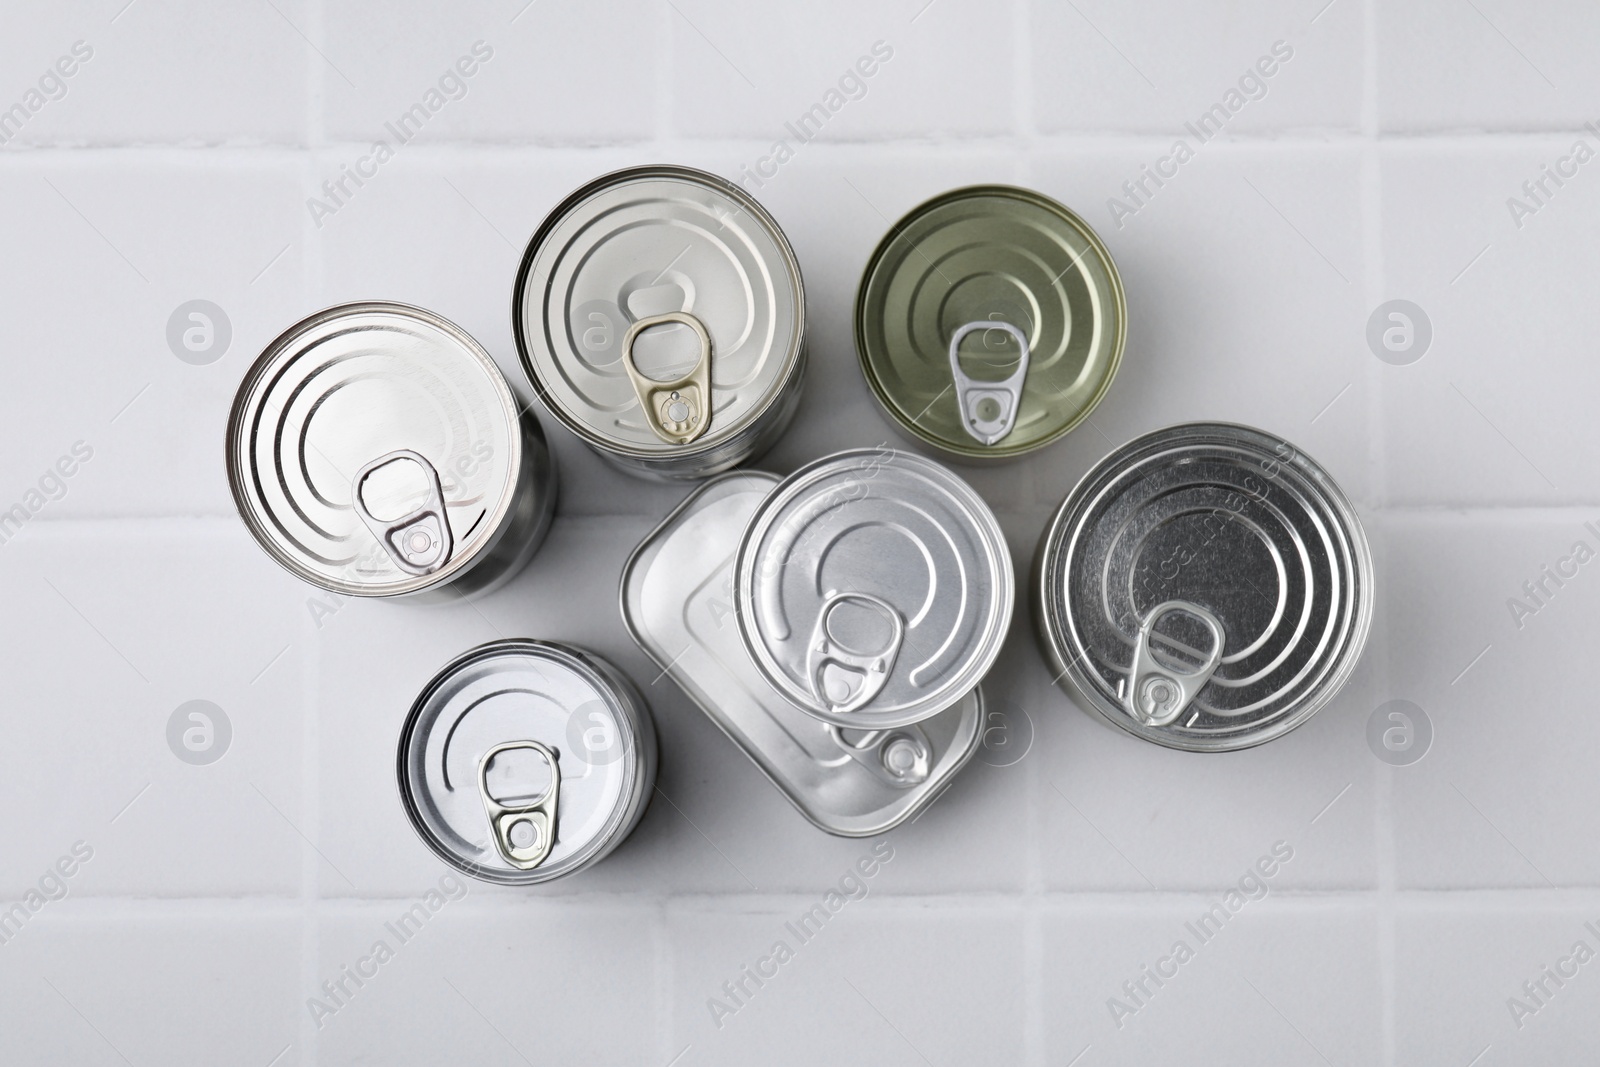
(649, 247)
(518, 724)
(874, 588)
(987, 267)
(1189, 531)
(395, 403)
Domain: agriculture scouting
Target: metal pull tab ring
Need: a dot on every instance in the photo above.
(524, 833)
(900, 757)
(680, 410)
(988, 409)
(830, 665)
(419, 543)
(1158, 694)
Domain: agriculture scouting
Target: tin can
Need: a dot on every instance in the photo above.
(989, 322)
(1207, 587)
(374, 449)
(660, 316)
(526, 761)
(678, 603)
(874, 589)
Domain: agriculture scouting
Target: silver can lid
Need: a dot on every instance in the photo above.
(374, 449)
(523, 761)
(874, 588)
(659, 311)
(1207, 587)
(677, 602)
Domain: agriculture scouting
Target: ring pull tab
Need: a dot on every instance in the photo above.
(1157, 694)
(524, 833)
(988, 409)
(900, 757)
(419, 542)
(680, 410)
(841, 677)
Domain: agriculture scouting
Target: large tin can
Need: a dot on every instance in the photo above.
(990, 322)
(1207, 587)
(874, 589)
(660, 316)
(374, 449)
(678, 603)
(525, 761)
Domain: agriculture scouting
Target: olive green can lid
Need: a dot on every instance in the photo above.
(990, 321)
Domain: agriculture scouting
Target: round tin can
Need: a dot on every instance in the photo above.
(1207, 587)
(874, 588)
(374, 449)
(525, 761)
(660, 315)
(677, 602)
(989, 322)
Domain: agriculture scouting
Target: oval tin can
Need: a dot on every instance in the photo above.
(660, 315)
(1207, 587)
(374, 449)
(989, 322)
(874, 588)
(678, 603)
(525, 761)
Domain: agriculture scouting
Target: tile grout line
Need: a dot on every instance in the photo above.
(1034, 1044)
(1372, 242)
(311, 660)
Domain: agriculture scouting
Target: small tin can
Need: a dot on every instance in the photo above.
(874, 588)
(660, 315)
(1207, 587)
(678, 603)
(374, 449)
(989, 322)
(525, 761)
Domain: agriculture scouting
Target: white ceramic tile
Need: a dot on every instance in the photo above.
(159, 72)
(1505, 797)
(123, 627)
(492, 981)
(1487, 65)
(1460, 977)
(86, 990)
(1248, 69)
(1494, 411)
(856, 978)
(1273, 982)
(839, 71)
(115, 247)
(493, 71)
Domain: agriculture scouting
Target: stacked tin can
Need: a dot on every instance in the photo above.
(1205, 587)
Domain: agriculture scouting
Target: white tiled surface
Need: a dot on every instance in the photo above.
(1375, 163)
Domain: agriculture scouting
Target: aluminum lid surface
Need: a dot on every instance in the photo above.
(495, 699)
(398, 401)
(1193, 533)
(874, 588)
(1016, 267)
(637, 246)
(677, 602)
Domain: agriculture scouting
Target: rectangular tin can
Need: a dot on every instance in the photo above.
(678, 603)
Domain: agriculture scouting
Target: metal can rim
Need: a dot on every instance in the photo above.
(993, 642)
(236, 445)
(1056, 533)
(631, 713)
(1072, 218)
(792, 357)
